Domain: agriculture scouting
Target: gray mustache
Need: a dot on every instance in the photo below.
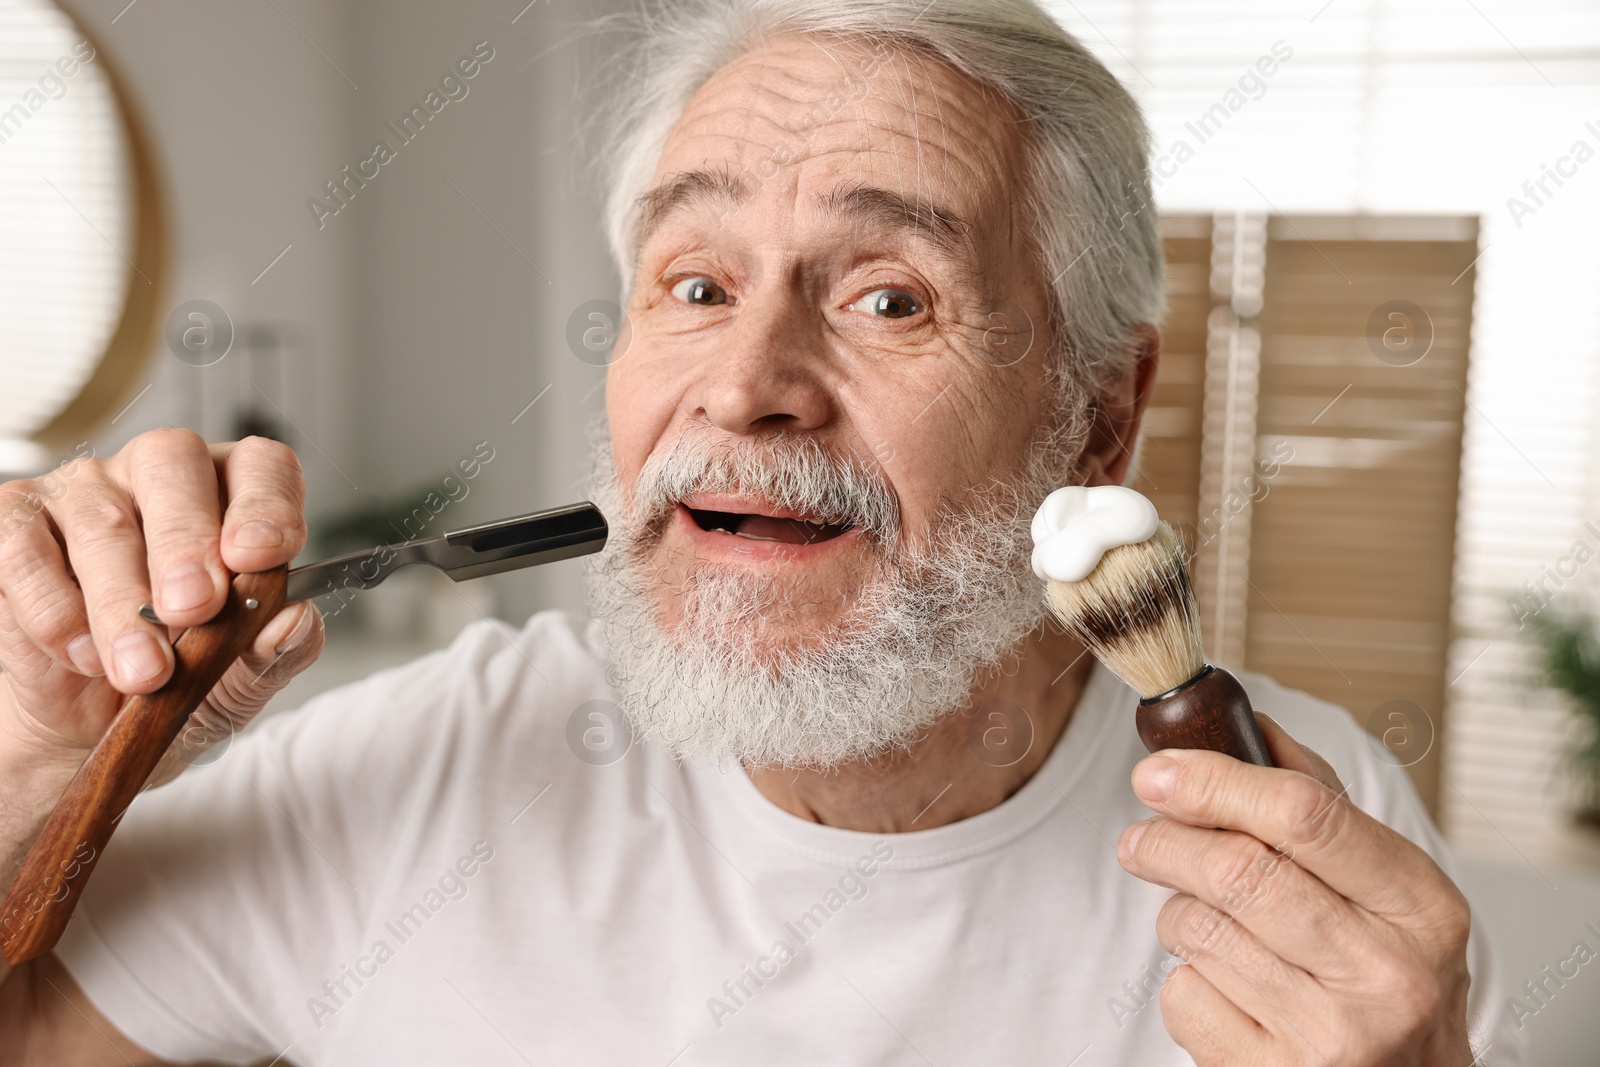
(787, 470)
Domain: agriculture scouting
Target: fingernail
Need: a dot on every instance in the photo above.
(1135, 833)
(185, 586)
(258, 534)
(298, 635)
(1153, 777)
(137, 657)
(85, 656)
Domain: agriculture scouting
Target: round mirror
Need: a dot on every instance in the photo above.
(80, 257)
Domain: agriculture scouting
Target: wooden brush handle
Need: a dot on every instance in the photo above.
(54, 871)
(1210, 711)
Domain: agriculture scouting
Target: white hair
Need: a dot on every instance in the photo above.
(1086, 190)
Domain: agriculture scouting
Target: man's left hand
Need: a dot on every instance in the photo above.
(1310, 932)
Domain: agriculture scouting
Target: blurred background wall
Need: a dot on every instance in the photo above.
(426, 314)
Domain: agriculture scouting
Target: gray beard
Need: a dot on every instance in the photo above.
(909, 649)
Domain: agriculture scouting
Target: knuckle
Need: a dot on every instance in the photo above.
(17, 491)
(1348, 1040)
(42, 609)
(1389, 971)
(78, 464)
(1230, 868)
(1323, 926)
(1178, 1013)
(100, 516)
(270, 452)
(53, 622)
(1455, 923)
(276, 479)
(273, 507)
(16, 553)
(1311, 815)
(1172, 927)
(20, 504)
(174, 540)
(180, 531)
(180, 454)
(161, 444)
(1415, 992)
(1203, 928)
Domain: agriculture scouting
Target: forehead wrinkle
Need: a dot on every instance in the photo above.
(956, 240)
(905, 98)
(939, 229)
(939, 126)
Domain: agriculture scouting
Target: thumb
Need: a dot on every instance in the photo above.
(286, 646)
(1291, 755)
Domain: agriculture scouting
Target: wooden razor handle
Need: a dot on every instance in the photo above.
(53, 873)
(1209, 711)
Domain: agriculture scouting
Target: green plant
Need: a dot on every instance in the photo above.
(1569, 662)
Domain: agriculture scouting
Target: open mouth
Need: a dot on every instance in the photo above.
(759, 527)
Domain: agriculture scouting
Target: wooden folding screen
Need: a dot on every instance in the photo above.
(1306, 433)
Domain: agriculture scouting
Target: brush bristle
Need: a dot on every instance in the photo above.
(1136, 612)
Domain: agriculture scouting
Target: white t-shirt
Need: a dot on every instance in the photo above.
(420, 868)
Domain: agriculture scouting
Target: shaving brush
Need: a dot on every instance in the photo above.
(1135, 611)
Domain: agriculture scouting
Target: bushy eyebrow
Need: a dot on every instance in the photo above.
(894, 212)
(692, 188)
(875, 208)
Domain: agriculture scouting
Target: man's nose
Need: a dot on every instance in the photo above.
(767, 370)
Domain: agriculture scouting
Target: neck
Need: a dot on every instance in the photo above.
(966, 763)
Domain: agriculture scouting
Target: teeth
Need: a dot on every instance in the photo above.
(753, 537)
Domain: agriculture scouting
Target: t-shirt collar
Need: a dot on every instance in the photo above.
(1064, 772)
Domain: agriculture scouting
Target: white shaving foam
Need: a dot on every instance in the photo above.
(1078, 524)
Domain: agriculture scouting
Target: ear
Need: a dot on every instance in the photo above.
(1118, 411)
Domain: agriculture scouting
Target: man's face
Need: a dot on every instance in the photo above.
(862, 281)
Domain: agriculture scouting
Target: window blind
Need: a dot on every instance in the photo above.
(64, 214)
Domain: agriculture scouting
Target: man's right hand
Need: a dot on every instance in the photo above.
(167, 521)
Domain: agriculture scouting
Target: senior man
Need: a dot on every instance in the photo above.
(889, 281)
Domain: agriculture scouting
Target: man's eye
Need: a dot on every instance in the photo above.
(889, 303)
(702, 291)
